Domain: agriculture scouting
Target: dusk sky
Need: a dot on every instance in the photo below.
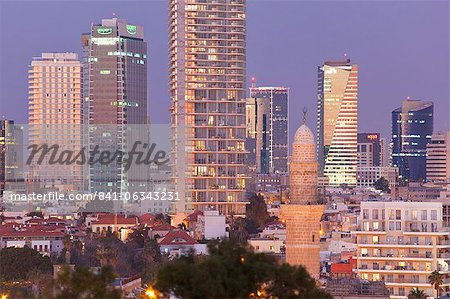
(402, 49)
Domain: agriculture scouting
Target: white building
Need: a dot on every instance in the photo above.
(211, 225)
(402, 243)
(438, 158)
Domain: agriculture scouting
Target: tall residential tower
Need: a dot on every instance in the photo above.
(207, 63)
(55, 117)
(337, 122)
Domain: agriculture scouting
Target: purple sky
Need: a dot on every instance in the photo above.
(402, 49)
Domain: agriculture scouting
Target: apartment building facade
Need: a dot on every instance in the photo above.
(402, 243)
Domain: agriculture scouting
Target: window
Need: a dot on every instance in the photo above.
(433, 214)
(398, 214)
(365, 214)
(391, 225)
(375, 214)
(398, 225)
(366, 225)
(391, 214)
(424, 215)
(414, 215)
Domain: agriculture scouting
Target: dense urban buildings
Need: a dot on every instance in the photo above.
(369, 149)
(303, 213)
(207, 57)
(412, 127)
(366, 176)
(267, 124)
(337, 121)
(438, 158)
(115, 94)
(402, 243)
(55, 117)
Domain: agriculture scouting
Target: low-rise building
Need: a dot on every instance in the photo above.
(401, 243)
(47, 240)
(120, 224)
(366, 176)
(211, 225)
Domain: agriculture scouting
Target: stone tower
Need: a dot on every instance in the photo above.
(303, 213)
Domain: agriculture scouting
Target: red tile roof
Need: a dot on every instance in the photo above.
(194, 216)
(177, 237)
(115, 220)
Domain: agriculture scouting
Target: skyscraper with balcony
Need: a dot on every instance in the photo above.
(412, 127)
(268, 126)
(207, 63)
(55, 117)
(337, 121)
(115, 94)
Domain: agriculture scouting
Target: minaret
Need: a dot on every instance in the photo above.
(303, 213)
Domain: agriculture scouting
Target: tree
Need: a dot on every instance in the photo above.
(436, 280)
(382, 184)
(239, 230)
(233, 270)
(256, 211)
(84, 283)
(37, 214)
(415, 293)
(19, 263)
(294, 282)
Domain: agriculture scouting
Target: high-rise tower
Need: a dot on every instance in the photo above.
(207, 86)
(337, 122)
(270, 128)
(115, 94)
(412, 127)
(55, 116)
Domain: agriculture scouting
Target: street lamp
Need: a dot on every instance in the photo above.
(150, 293)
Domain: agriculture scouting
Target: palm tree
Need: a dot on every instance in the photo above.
(415, 293)
(436, 279)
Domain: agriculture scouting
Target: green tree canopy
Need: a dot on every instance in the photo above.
(415, 293)
(232, 270)
(84, 283)
(18, 263)
(436, 279)
(382, 184)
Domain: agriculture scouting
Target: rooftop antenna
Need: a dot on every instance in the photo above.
(305, 110)
(253, 82)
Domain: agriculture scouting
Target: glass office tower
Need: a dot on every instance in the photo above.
(337, 121)
(115, 94)
(412, 127)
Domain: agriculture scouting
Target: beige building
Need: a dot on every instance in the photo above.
(438, 158)
(207, 85)
(55, 116)
(401, 243)
(337, 127)
(303, 214)
(366, 176)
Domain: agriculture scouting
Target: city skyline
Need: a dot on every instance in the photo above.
(276, 70)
